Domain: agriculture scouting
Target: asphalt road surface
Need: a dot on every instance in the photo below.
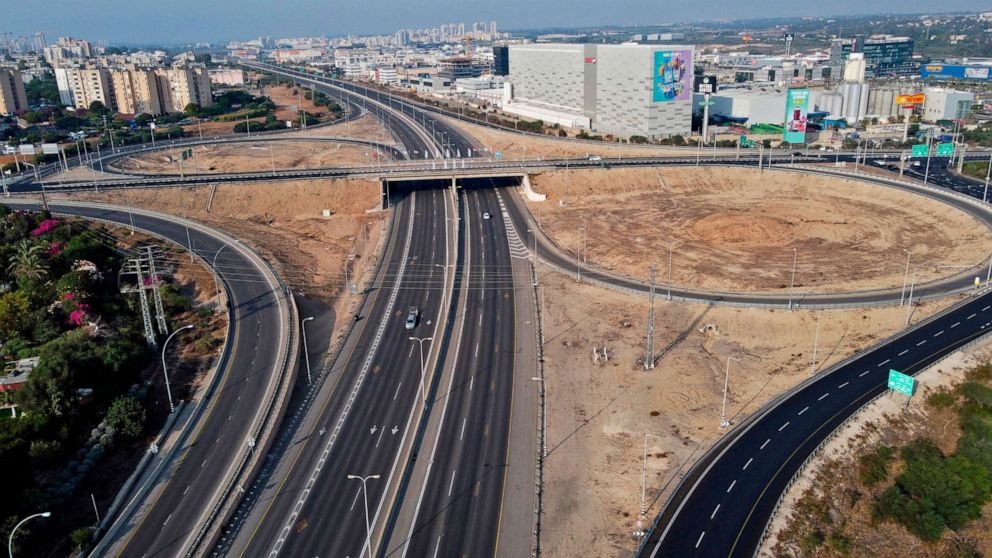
(315, 509)
(257, 350)
(458, 508)
(723, 505)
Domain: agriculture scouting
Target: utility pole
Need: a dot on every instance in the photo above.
(905, 279)
(792, 282)
(816, 340)
(147, 277)
(649, 351)
(909, 307)
(670, 248)
(726, 385)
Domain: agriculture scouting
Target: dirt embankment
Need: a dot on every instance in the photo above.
(255, 156)
(284, 221)
(600, 412)
(736, 229)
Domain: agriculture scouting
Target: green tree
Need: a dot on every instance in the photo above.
(26, 263)
(15, 307)
(126, 417)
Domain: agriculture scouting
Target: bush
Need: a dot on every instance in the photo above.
(873, 467)
(126, 417)
(81, 537)
(941, 399)
(45, 451)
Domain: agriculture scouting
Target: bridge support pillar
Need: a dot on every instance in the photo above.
(529, 190)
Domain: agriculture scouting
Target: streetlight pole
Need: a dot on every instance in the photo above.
(670, 247)
(213, 266)
(909, 307)
(306, 351)
(165, 371)
(905, 279)
(365, 496)
(792, 282)
(988, 173)
(816, 341)
(423, 365)
(726, 384)
(537, 259)
(10, 539)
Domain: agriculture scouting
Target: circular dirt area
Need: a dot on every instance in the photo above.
(738, 230)
(254, 156)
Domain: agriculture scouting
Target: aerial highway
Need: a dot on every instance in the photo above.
(309, 506)
(723, 504)
(454, 506)
(259, 361)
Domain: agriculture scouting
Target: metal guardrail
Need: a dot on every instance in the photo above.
(542, 411)
(836, 432)
(724, 443)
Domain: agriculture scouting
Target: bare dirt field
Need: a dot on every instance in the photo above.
(735, 229)
(886, 421)
(283, 221)
(512, 145)
(286, 105)
(255, 156)
(365, 127)
(599, 413)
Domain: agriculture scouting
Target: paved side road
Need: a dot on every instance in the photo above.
(722, 506)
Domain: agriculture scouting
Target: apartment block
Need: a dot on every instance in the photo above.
(12, 95)
(137, 91)
(80, 87)
(180, 87)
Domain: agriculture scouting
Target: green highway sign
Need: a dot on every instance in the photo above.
(945, 149)
(920, 150)
(901, 382)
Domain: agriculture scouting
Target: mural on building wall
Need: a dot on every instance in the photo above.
(672, 75)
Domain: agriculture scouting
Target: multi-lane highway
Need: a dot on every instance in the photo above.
(455, 505)
(310, 507)
(255, 367)
(723, 504)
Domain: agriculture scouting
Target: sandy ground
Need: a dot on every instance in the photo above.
(283, 221)
(286, 109)
(365, 127)
(735, 230)
(886, 420)
(598, 414)
(513, 145)
(255, 156)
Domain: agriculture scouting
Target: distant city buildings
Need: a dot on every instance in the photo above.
(12, 96)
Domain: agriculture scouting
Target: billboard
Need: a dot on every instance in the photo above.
(956, 71)
(672, 71)
(910, 99)
(796, 109)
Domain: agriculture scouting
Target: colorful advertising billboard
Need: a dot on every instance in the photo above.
(911, 99)
(955, 71)
(796, 109)
(672, 74)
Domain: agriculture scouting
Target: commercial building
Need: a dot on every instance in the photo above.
(885, 55)
(231, 77)
(624, 89)
(751, 106)
(946, 104)
(501, 60)
(12, 96)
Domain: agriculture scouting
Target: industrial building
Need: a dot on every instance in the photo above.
(13, 99)
(884, 55)
(624, 90)
(946, 104)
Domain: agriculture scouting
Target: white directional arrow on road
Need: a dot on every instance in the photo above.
(395, 430)
(374, 429)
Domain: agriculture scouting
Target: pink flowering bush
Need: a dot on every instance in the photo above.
(45, 226)
(55, 248)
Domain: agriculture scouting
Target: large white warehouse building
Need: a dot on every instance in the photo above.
(624, 89)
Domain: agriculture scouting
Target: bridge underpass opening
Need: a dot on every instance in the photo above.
(397, 188)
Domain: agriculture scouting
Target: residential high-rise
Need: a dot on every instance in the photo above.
(137, 92)
(12, 96)
(86, 85)
(180, 87)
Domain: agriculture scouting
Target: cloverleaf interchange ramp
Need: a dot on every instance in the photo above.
(260, 362)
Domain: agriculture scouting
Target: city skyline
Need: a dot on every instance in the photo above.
(191, 22)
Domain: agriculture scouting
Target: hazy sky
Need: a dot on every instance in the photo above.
(180, 21)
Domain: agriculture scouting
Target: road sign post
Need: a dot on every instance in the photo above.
(903, 383)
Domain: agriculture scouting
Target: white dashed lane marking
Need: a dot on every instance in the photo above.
(863, 373)
(970, 317)
(766, 443)
(781, 428)
(939, 333)
(884, 362)
(823, 396)
(731, 487)
(803, 411)
(700, 539)
(921, 342)
(903, 352)
(716, 509)
(955, 324)
(842, 385)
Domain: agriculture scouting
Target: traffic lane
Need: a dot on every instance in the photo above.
(246, 379)
(488, 505)
(372, 435)
(460, 512)
(279, 503)
(763, 459)
(432, 515)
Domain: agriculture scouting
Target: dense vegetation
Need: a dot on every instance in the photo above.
(59, 302)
